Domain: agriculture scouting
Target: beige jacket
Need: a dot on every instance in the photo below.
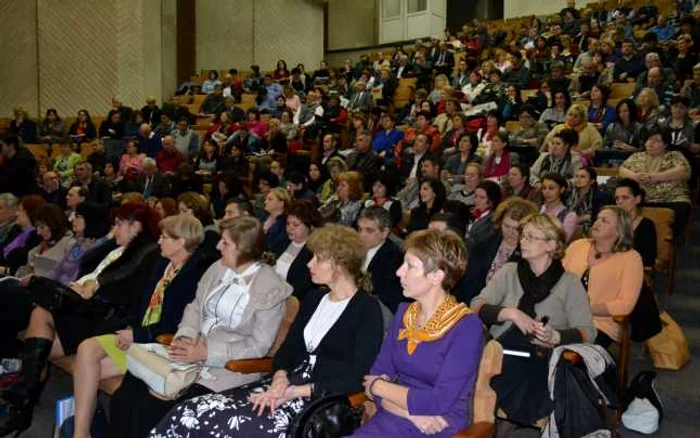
(254, 334)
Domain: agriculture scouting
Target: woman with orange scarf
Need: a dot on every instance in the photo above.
(424, 374)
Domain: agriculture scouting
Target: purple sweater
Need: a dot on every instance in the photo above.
(440, 376)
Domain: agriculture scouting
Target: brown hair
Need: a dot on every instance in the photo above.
(169, 206)
(443, 250)
(30, 204)
(248, 235)
(342, 245)
(514, 207)
(199, 204)
(53, 218)
(307, 212)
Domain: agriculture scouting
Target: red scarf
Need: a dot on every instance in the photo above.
(497, 170)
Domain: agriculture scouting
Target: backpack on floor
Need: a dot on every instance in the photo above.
(643, 408)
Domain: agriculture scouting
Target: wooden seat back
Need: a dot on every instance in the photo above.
(290, 313)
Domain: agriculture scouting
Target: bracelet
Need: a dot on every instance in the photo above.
(372, 386)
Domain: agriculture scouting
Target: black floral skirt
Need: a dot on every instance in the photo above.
(230, 415)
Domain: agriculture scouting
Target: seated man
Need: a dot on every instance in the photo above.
(52, 191)
(150, 142)
(186, 140)
(383, 256)
(99, 191)
(429, 169)
(361, 100)
(169, 159)
(150, 182)
(364, 160)
(629, 66)
(214, 104)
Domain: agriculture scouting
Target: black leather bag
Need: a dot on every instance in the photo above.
(326, 417)
(55, 297)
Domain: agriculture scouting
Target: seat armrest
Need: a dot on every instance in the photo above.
(476, 430)
(250, 366)
(165, 339)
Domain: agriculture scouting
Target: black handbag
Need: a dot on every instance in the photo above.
(326, 417)
(54, 296)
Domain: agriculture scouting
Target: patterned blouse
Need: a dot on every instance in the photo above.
(666, 191)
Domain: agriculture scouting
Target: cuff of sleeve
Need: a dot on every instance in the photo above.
(216, 354)
(570, 336)
(489, 313)
(187, 332)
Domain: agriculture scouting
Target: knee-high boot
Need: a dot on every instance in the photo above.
(23, 395)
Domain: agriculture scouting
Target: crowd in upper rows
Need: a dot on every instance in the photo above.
(440, 175)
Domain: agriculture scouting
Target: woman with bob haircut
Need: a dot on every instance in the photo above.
(423, 379)
(345, 206)
(238, 307)
(172, 285)
(99, 302)
(277, 205)
(610, 270)
(330, 347)
(533, 306)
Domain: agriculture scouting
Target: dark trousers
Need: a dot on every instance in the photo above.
(133, 411)
(15, 310)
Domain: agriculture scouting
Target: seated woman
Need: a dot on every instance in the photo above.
(277, 204)
(52, 227)
(100, 302)
(528, 137)
(629, 196)
(622, 137)
(422, 381)
(464, 193)
(65, 161)
(498, 162)
(238, 307)
(557, 113)
(586, 199)
(432, 199)
(14, 253)
(609, 269)
(600, 114)
(131, 163)
(330, 347)
(559, 158)
(344, 207)
(172, 286)
(83, 130)
(589, 138)
(518, 183)
(663, 175)
(494, 253)
(453, 170)
(553, 193)
(487, 196)
(52, 128)
(303, 218)
(533, 306)
(197, 205)
(384, 195)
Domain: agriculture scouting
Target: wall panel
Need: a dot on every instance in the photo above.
(352, 24)
(18, 72)
(224, 34)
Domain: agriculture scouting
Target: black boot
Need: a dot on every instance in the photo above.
(23, 395)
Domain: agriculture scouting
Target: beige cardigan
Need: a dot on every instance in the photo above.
(254, 334)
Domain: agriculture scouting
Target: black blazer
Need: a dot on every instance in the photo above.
(276, 239)
(299, 276)
(645, 241)
(382, 269)
(345, 354)
(99, 193)
(161, 185)
(179, 293)
(481, 230)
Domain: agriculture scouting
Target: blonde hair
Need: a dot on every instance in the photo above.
(579, 110)
(184, 226)
(625, 235)
(478, 167)
(551, 228)
(282, 195)
(443, 250)
(441, 77)
(649, 93)
(342, 245)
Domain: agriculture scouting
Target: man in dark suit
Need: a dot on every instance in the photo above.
(383, 256)
(364, 160)
(150, 182)
(443, 60)
(361, 100)
(99, 191)
(330, 148)
(52, 191)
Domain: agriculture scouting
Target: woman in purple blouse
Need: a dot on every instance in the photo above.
(423, 378)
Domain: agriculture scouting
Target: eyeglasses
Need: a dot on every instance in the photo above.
(530, 237)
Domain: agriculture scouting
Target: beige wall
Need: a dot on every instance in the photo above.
(521, 8)
(18, 39)
(238, 33)
(351, 24)
(88, 51)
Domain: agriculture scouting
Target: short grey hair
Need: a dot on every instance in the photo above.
(377, 214)
(10, 201)
(653, 56)
(149, 162)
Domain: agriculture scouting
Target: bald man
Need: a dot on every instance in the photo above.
(169, 158)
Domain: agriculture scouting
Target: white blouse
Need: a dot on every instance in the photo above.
(324, 317)
(227, 303)
(284, 262)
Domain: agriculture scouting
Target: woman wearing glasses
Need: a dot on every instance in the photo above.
(532, 306)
